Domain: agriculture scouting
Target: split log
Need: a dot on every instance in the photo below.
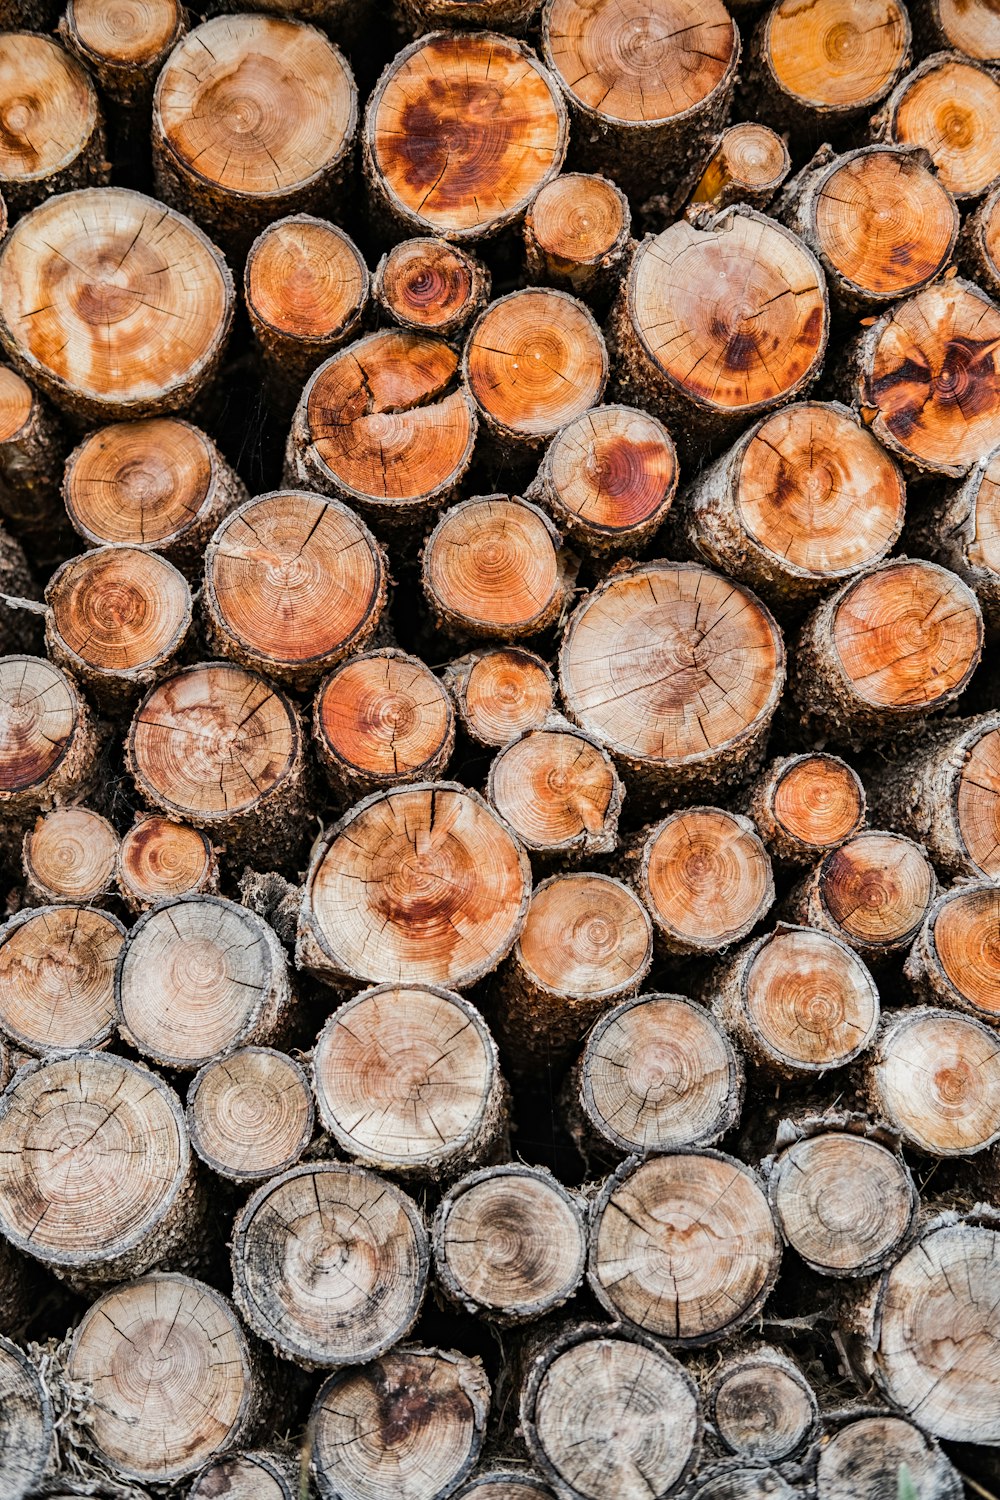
(57, 978)
(677, 671)
(222, 748)
(648, 84)
(608, 479)
(979, 243)
(461, 131)
(412, 1425)
(160, 484)
(961, 530)
(48, 745)
(250, 1114)
(587, 943)
(408, 1081)
(804, 805)
(259, 1475)
(32, 449)
(577, 234)
(198, 977)
(508, 16)
(873, 893)
(747, 164)
(429, 286)
(384, 426)
(26, 1431)
(887, 648)
(253, 117)
(656, 1073)
(797, 1002)
(510, 1243)
(420, 884)
(716, 325)
(559, 791)
(382, 719)
(69, 856)
(500, 694)
(950, 106)
(534, 360)
(934, 1076)
(53, 135)
(96, 1177)
(293, 583)
(172, 1378)
(161, 858)
(683, 1246)
(330, 1264)
(761, 1405)
(704, 877)
(124, 46)
(609, 1412)
(955, 960)
(868, 1454)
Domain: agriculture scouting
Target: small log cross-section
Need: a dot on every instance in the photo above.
(979, 244)
(47, 741)
(934, 1076)
(576, 234)
(124, 46)
(250, 1114)
(955, 960)
(430, 286)
(761, 1404)
(559, 791)
(950, 106)
(803, 805)
(500, 694)
(70, 855)
(159, 858)
(32, 448)
(57, 978)
(748, 164)
(259, 1475)
(53, 131)
(873, 893)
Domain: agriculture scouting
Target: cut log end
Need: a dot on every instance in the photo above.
(804, 804)
(46, 743)
(874, 891)
(950, 106)
(749, 164)
(762, 1405)
(957, 957)
(246, 1476)
(134, 36)
(705, 878)
(429, 285)
(160, 858)
(559, 791)
(501, 694)
(57, 971)
(250, 1114)
(835, 58)
(26, 1436)
(935, 1077)
(873, 1451)
(70, 855)
(576, 233)
(53, 137)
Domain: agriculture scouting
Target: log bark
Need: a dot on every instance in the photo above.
(950, 106)
(259, 1475)
(577, 235)
(500, 694)
(429, 286)
(124, 48)
(804, 805)
(408, 1081)
(979, 243)
(198, 977)
(57, 978)
(761, 1404)
(250, 1114)
(505, 1483)
(510, 1243)
(69, 856)
(160, 858)
(330, 1264)
(48, 744)
(559, 791)
(869, 1453)
(873, 893)
(20, 629)
(954, 961)
(934, 1076)
(32, 449)
(509, 16)
(421, 884)
(53, 137)
(26, 1429)
(747, 164)
(959, 530)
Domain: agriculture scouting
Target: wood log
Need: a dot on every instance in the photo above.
(69, 856)
(979, 243)
(198, 977)
(384, 426)
(26, 1431)
(747, 164)
(124, 46)
(460, 133)
(430, 286)
(577, 234)
(253, 117)
(159, 483)
(500, 694)
(608, 479)
(508, 16)
(173, 1379)
(274, 898)
(160, 858)
(411, 1424)
(47, 740)
(29, 15)
(716, 325)
(559, 791)
(873, 893)
(408, 1081)
(19, 628)
(510, 1243)
(739, 1479)
(223, 749)
(53, 136)
(57, 978)
(958, 529)
(257, 1475)
(656, 1073)
(863, 1455)
(506, 1483)
(32, 449)
(970, 28)
(607, 1411)
(934, 1076)
(96, 1178)
(950, 106)
(330, 1264)
(887, 648)
(677, 671)
(955, 960)
(250, 1114)
(804, 805)
(293, 584)
(797, 1002)
(422, 885)
(761, 1404)
(382, 719)
(534, 360)
(704, 877)
(683, 1246)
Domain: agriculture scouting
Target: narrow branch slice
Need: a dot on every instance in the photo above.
(873, 1451)
(460, 133)
(115, 307)
(160, 858)
(762, 1405)
(26, 1428)
(510, 1243)
(407, 1081)
(53, 132)
(676, 670)
(748, 164)
(57, 978)
(47, 742)
(805, 804)
(422, 884)
(293, 583)
(70, 855)
(123, 45)
(250, 1114)
(683, 1246)
(830, 61)
(330, 1264)
(950, 107)
(559, 791)
(430, 286)
(576, 234)
(873, 893)
(411, 1424)
(955, 960)
(500, 694)
(935, 1077)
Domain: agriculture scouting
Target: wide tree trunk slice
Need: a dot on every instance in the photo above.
(161, 858)
(53, 136)
(500, 694)
(748, 164)
(797, 1002)
(559, 791)
(510, 1243)
(951, 107)
(868, 1454)
(26, 1428)
(677, 671)
(460, 132)
(961, 530)
(411, 1425)
(32, 449)
(47, 742)
(408, 1081)
(260, 1475)
(57, 978)
(804, 805)
(330, 1264)
(419, 885)
(683, 1246)
(955, 960)
(935, 1077)
(250, 1114)
(124, 46)
(173, 1378)
(979, 243)
(430, 286)
(70, 855)
(873, 893)
(253, 117)
(293, 584)
(761, 1404)
(576, 234)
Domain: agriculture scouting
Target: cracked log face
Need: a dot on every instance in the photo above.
(762, 1405)
(250, 1114)
(835, 57)
(70, 855)
(951, 107)
(867, 1456)
(57, 972)
(875, 891)
(43, 728)
(956, 959)
(559, 792)
(934, 1076)
(160, 857)
(431, 286)
(382, 719)
(501, 694)
(705, 878)
(51, 119)
(576, 233)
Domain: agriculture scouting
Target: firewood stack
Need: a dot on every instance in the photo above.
(499, 750)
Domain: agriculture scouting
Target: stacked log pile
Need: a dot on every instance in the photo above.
(499, 750)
